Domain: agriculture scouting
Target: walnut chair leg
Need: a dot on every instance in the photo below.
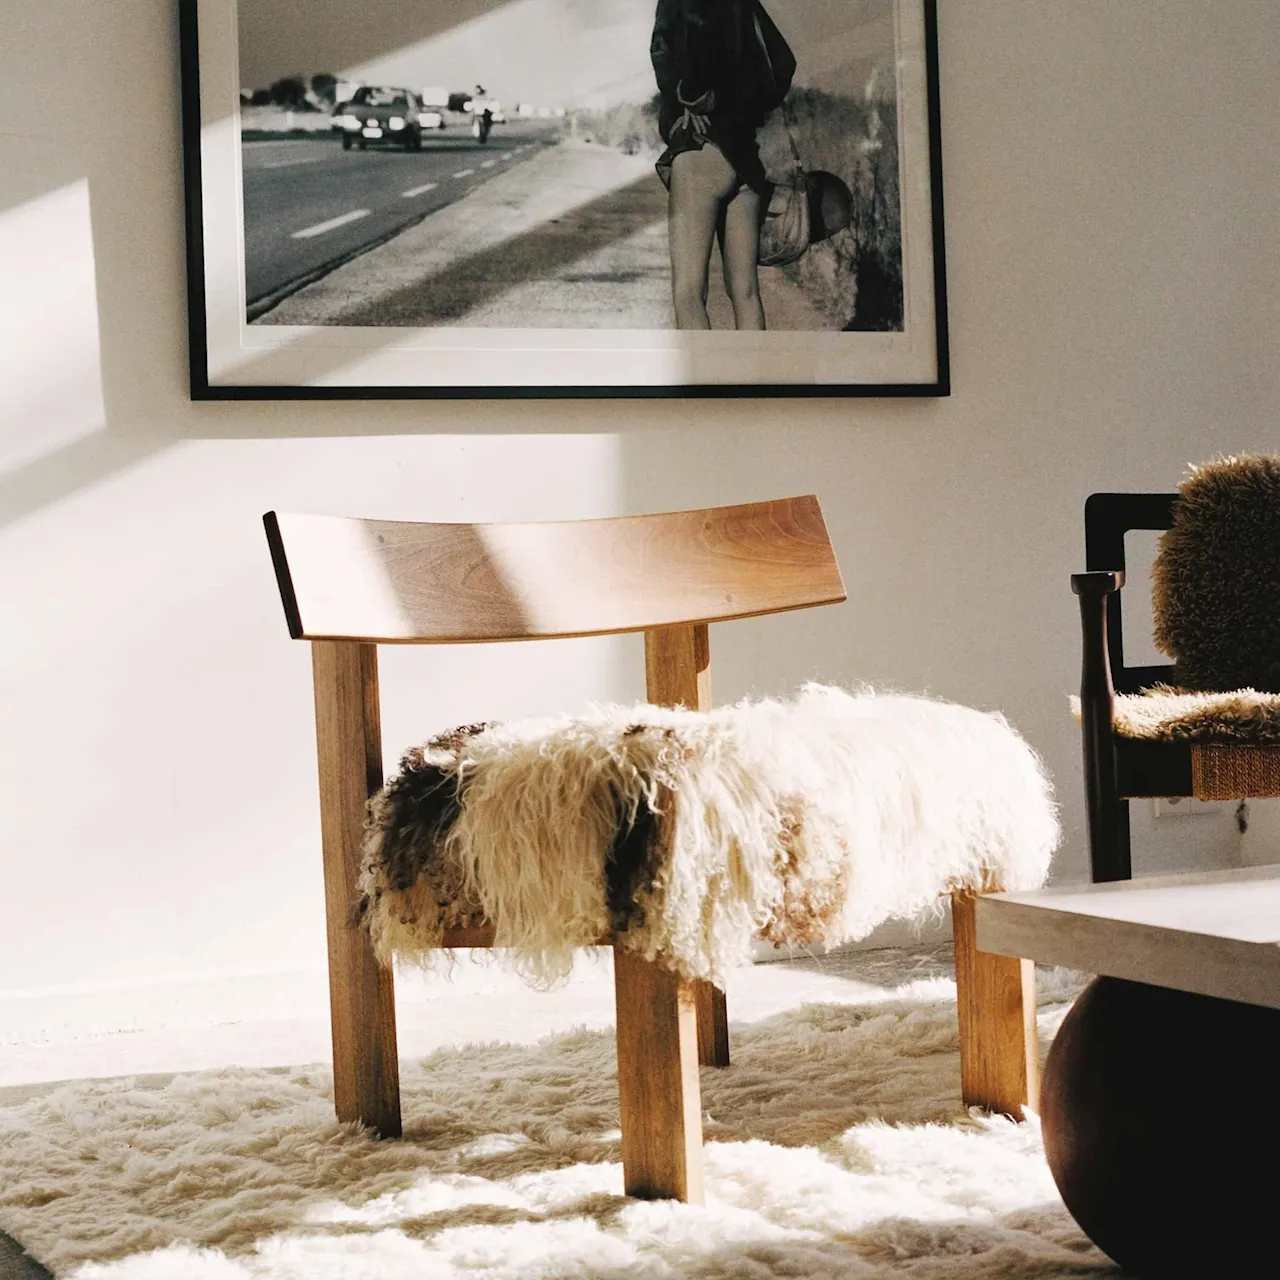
(713, 1025)
(996, 1006)
(366, 1079)
(661, 1103)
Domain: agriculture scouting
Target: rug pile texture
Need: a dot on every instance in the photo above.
(689, 834)
(837, 1148)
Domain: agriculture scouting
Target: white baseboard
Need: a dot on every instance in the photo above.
(54, 1015)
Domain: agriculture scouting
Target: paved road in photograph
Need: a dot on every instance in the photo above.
(309, 205)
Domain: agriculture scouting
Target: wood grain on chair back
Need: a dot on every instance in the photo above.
(393, 582)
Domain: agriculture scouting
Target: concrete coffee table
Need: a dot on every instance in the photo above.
(1158, 1099)
(1215, 933)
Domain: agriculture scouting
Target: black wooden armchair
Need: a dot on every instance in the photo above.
(1208, 724)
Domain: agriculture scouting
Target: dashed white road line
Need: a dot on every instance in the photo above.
(331, 225)
(419, 191)
(508, 155)
(286, 164)
(464, 173)
(488, 164)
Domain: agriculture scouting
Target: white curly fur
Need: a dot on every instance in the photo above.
(833, 811)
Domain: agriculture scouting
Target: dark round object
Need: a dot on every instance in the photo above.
(830, 205)
(1215, 584)
(1162, 1129)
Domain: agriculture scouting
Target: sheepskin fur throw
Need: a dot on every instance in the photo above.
(691, 833)
(1216, 579)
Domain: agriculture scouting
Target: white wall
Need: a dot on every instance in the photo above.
(1112, 220)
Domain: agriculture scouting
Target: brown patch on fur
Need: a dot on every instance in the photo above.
(424, 804)
(810, 906)
(639, 852)
(630, 863)
(407, 822)
(421, 804)
(640, 847)
(453, 740)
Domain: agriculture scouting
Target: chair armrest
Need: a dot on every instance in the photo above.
(1097, 693)
(1107, 811)
(1097, 582)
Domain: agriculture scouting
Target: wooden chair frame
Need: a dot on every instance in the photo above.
(349, 585)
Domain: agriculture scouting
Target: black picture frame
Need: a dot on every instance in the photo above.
(203, 323)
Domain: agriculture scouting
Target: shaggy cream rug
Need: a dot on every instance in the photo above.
(837, 1147)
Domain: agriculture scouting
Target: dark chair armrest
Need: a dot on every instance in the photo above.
(1107, 811)
(1097, 582)
(1097, 693)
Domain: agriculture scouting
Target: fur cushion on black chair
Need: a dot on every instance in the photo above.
(1216, 579)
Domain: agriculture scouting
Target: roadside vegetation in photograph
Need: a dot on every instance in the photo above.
(293, 104)
(855, 277)
(632, 127)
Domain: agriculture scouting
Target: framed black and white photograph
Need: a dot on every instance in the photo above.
(563, 198)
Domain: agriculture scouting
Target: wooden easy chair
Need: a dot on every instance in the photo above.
(349, 585)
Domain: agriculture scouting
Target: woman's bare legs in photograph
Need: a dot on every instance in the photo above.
(702, 202)
(739, 251)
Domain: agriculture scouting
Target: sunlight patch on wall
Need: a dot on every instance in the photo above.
(50, 361)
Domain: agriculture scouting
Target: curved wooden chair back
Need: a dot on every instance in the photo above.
(389, 582)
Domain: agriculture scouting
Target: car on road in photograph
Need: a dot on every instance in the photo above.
(376, 115)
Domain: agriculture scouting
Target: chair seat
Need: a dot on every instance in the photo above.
(687, 834)
(1242, 717)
